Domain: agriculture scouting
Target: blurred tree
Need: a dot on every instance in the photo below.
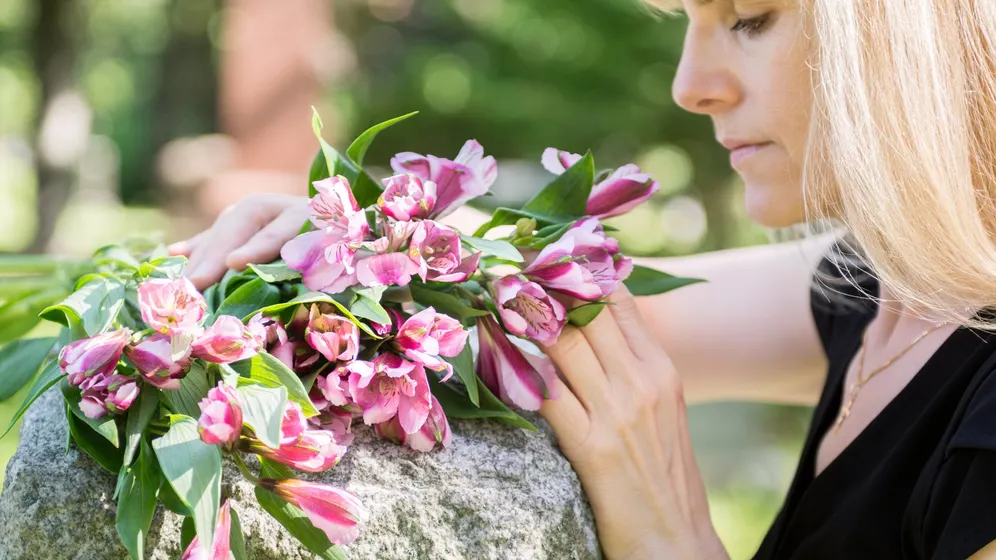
(53, 54)
(522, 75)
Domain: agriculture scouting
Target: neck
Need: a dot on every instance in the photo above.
(896, 324)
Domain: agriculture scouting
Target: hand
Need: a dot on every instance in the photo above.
(621, 421)
(250, 231)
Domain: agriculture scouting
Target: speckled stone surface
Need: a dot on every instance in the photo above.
(497, 492)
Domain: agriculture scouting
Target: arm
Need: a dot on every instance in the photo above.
(748, 332)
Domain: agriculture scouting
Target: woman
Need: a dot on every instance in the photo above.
(880, 115)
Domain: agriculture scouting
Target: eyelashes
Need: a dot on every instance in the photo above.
(752, 26)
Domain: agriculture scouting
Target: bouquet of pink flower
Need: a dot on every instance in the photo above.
(366, 317)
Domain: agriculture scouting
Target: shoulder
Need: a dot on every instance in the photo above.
(843, 293)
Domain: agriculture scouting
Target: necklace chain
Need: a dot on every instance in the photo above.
(852, 392)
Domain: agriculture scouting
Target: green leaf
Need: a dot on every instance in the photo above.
(567, 195)
(249, 298)
(275, 272)
(547, 235)
(295, 520)
(93, 444)
(271, 372)
(193, 387)
(319, 170)
(19, 316)
(366, 304)
(116, 254)
(137, 502)
(193, 469)
(644, 281)
(496, 247)
(94, 306)
(506, 216)
(457, 404)
(365, 188)
(358, 149)
(211, 298)
(105, 426)
(163, 267)
(445, 303)
(187, 533)
(463, 366)
(139, 416)
(263, 411)
(173, 502)
(318, 297)
(237, 538)
(581, 315)
(20, 361)
(49, 376)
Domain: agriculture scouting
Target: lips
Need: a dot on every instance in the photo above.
(742, 150)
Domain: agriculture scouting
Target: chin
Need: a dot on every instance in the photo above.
(773, 206)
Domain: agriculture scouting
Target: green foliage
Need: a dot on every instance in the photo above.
(193, 469)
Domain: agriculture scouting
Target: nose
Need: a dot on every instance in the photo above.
(705, 82)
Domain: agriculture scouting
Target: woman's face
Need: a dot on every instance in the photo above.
(744, 65)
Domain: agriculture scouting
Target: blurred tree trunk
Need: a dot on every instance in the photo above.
(54, 55)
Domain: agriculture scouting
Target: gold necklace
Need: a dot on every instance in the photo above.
(852, 392)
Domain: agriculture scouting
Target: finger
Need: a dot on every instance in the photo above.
(265, 245)
(580, 367)
(183, 248)
(230, 231)
(630, 323)
(566, 415)
(608, 342)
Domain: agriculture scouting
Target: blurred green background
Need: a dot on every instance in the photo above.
(125, 116)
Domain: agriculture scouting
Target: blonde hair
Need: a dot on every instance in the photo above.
(902, 147)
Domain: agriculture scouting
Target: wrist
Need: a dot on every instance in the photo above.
(701, 544)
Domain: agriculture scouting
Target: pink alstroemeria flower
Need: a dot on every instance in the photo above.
(557, 268)
(334, 210)
(221, 548)
(153, 358)
(228, 340)
(171, 307)
(527, 310)
(391, 386)
(310, 451)
(325, 260)
(338, 420)
(334, 386)
(388, 269)
(624, 189)
(88, 357)
(300, 447)
(437, 251)
(515, 376)
(406, 197)
(333, 510)
(435, 430)
(293, 423)
(336, 337)
(470, 175)
(111, 393)
(221, 417)
(598, 255)
(427, 335)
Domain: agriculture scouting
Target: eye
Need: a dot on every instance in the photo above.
(752, 26)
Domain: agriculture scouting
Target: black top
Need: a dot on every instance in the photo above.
(920, 480)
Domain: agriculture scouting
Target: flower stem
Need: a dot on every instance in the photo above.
(244, 469)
